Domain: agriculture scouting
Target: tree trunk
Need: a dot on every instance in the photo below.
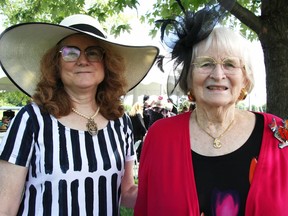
(276, 63)
(274, 40)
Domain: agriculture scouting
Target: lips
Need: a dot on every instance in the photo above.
(81, 72)
(222, 88)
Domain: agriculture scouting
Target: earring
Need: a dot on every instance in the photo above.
(243, 94)
(190, 96)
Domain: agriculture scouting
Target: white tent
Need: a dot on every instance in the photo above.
(5, 83)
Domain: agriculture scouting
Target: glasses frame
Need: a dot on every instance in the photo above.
(102, 51)
(222, 63)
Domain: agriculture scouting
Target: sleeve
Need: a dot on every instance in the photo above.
(17, 144)
(130, 154)
(268, 193)
(166, 183)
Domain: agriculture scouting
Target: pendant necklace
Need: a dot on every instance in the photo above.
(216, 143)
(91, 124)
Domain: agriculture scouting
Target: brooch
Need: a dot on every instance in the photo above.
(280, 132)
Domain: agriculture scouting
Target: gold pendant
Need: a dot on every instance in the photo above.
(217, 143)
(92, 127)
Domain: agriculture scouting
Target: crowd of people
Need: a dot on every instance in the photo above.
(71, 151)
(145, 113)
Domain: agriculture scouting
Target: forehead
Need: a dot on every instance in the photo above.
(216, 50)
(80, 40)
(220, 45)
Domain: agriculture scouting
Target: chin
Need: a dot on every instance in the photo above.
(220, 103)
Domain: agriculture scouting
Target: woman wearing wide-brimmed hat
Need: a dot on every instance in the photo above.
(69, 152)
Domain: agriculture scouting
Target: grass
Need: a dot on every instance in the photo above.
(126, 212)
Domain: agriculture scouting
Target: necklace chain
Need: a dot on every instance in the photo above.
(216, 143)
(91, 124)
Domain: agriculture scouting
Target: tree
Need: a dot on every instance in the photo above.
(14, 98)
(53, 11)
(265, 19)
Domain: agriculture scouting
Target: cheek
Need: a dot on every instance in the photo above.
(64, 66)
(99, 67)
(238, 82)
(66, 70)
(197, 85)
(197, 80)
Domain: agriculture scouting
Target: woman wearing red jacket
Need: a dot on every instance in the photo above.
(216, 160)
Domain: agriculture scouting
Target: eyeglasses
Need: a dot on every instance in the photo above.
(206, 64)
(72, 53)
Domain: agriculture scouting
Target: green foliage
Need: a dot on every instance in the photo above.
(127, 107)
(53, 11)
(18, 11)
(126, 212)
(15, 98)
(111, 13)
(170, 9)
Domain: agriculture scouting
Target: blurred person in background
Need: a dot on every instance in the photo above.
(139, 129)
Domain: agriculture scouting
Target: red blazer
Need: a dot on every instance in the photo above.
(166, 177)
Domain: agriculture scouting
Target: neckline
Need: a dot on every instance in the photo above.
(74, 129)
(259, 127)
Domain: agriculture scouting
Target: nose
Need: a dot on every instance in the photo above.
(218, 72)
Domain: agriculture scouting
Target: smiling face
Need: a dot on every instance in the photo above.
(220, 68)
(81, 74)
(217, 85)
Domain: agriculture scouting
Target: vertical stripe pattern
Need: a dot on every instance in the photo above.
(70, 171)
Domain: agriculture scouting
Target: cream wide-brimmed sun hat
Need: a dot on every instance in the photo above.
(23, 45)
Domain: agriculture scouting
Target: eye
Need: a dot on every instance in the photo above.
(95, 53)
(206, 64)
(230, 63)
(70, 53)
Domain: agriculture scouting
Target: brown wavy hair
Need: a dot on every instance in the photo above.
(52, 98)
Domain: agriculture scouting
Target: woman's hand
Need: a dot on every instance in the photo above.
(129, 189)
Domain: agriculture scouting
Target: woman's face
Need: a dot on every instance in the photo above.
(217, 78)
(81, 73)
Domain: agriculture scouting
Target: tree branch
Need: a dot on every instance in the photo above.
(245, 16)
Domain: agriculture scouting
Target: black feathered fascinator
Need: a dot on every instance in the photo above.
(180, 34)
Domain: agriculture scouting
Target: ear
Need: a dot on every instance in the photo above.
(245, 83)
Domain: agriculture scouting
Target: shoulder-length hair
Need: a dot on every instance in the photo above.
(136, 108)
(51, 96)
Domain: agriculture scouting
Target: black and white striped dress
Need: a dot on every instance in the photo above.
(70, 172)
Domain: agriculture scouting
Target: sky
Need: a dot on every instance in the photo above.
(140, 36)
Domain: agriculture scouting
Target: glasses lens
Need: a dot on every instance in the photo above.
(70, 54)
(94, 53)
(205, 64)
(231, 64)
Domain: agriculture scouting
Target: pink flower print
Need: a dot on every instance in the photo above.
(226, 203)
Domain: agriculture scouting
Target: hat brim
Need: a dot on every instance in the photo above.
(23, 45)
